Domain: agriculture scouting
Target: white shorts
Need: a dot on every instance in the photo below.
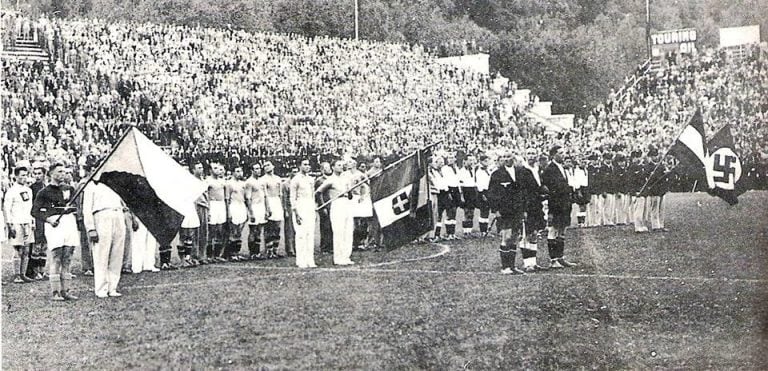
(217, 212)
(65, 234)
(191, 220)
(259, 212)
(238, 213)
(276, 208)
(362, 208)
(24, 235)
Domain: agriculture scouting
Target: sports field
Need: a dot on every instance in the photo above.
(695, 297)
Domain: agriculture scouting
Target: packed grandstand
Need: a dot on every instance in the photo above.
(238, 97)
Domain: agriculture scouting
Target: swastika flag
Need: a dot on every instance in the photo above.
(724, 167)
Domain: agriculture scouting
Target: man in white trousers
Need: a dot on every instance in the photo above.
(342, 222)
(303, 204)
(143, 249)
(104, 219)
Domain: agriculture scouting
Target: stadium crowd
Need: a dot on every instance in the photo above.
(231, 105)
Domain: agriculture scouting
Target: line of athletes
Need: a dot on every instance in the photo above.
(535, 196)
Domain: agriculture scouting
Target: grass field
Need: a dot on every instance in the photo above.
(695, 297)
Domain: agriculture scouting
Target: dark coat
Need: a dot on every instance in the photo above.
(559, 190)
(506, 196)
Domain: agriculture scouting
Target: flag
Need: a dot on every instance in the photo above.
(401, 200)
(155, 187)
(689, 150)
(724, 167)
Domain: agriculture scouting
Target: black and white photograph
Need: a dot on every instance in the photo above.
(384, 184)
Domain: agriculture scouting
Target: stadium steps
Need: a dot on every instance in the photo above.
(25, 50)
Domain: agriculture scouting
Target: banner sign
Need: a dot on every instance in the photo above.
(681, 41)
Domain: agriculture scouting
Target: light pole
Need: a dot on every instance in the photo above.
(356, 20)
(648, 27)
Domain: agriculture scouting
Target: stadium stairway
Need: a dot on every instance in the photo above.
(25, 50)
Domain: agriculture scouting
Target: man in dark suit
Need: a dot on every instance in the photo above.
(507, 196)
(535, 222)
(556, 181)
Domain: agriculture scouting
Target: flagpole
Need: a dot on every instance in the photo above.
(688, 121)
(368, 179)
(101, 165)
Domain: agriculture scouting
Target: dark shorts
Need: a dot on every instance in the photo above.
(470, 197)
(560, 217)
(535, 221)
(455, 200)
(509, 222)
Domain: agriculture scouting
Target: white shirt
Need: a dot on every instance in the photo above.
(98, 197)
(482, 179)
(18, 205)
(511, 171)
(437, 181)
(450, 176)
(465, 177)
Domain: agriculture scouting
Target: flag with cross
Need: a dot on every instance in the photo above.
(401, 199)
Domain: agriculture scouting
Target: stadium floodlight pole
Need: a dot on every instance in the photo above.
(376, 175)
(648, 27)
(357, 16)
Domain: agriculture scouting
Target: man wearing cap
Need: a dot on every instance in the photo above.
(18, 216)
(560, 205)
(507, 197)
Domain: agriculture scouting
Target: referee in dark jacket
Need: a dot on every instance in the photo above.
(560, 204)
(507, 196)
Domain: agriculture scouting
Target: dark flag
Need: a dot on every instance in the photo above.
(724, 167)
(689, 150)
(156, 188)
(401, 200)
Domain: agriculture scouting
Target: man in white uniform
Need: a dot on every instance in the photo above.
(257, 212)
(303, 204)
(18, 216)
(272, 187)
(104, 218)
(237, 213)
(341, 213)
